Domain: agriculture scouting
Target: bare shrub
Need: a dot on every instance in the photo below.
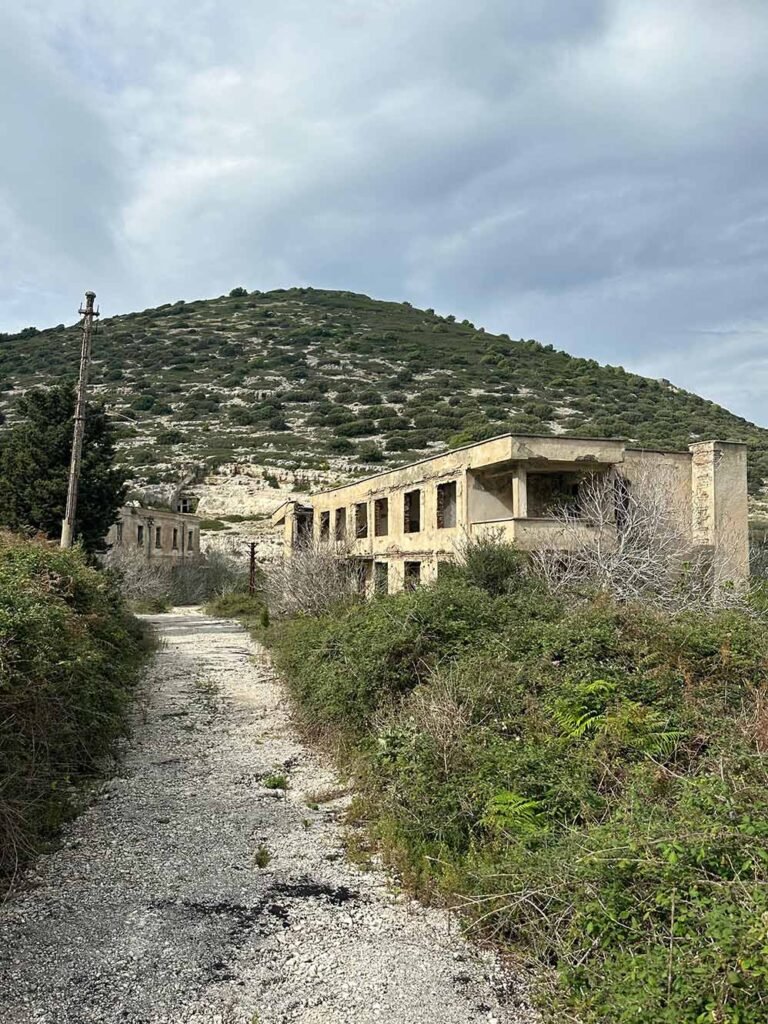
(312, 579)
(191, 581)
(211, 575)
(139, 578)
(630, 540)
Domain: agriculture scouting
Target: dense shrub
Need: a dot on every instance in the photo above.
(589, 779)
(70, 654)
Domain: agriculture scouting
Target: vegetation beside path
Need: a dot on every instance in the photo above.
(587, 781)
(69, 656)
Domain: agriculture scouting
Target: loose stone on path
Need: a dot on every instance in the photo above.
(189, 893)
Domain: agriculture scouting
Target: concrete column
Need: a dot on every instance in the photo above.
(520, 492)
(396, 575)
(429, 570)
(720, 506)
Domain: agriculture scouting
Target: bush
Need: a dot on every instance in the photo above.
(587, 778)
(213, 525)
(237, 605)
(491, 563)
(71, 654)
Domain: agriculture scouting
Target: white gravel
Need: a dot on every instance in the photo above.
(155, 908)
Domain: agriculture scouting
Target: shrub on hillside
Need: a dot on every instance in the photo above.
(70, 657)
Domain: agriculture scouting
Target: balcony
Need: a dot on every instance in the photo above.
(530, 534)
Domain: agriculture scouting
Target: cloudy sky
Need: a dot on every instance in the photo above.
(591, 173)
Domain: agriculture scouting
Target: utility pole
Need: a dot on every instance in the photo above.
(68, 525)
(252, 572)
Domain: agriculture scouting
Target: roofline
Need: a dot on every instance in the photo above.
(158, 508)
(464, 447)
(547, 437)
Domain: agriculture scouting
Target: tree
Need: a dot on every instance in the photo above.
(629, 539)
(34, 468)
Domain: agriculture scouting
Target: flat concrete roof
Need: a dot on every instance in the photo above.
(464, 447)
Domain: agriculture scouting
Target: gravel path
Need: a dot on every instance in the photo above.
(190, 892)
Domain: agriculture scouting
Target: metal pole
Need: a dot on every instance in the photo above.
(252, 574)
(68, 524)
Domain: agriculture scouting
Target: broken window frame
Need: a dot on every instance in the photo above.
(340, 524)
(361, 520)
(325, 525)
(412, 511)
(381, 517)
(411, 574)
(381, 577)
(447, 509)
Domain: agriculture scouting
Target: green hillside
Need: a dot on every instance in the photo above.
(310, 378)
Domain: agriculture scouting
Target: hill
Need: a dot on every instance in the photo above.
(308, 379)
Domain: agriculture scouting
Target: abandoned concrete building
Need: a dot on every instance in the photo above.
(155, 532)
(403, 523)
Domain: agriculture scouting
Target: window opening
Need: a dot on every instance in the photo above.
(325, 525)
(412, 511)
(412, 575)
(381, 517)
(446, 505)
(341, 524)
(548, 492)
(361, 519)
(381, 577)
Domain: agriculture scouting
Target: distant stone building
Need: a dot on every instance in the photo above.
(402, 523)
(156, 532)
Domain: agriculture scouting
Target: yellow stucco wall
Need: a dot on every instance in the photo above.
(125, 532)
(704, 489)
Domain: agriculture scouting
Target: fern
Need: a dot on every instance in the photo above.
(581, 711)
(596, 708)
(513, 814)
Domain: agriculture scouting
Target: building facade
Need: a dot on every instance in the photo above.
(156, 532)
(402, 523)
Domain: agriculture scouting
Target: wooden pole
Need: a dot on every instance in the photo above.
(252, 574)
(68, 524)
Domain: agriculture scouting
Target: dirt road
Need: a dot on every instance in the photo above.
(192, 892)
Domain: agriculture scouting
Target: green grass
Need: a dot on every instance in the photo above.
(588, 781)
(275, 782)
(209, 361)
(262, 857)
(213, 525)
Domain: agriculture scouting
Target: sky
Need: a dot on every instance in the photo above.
(589, 173)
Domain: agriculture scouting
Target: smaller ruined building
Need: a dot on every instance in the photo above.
(403, 523)
(156, 532)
